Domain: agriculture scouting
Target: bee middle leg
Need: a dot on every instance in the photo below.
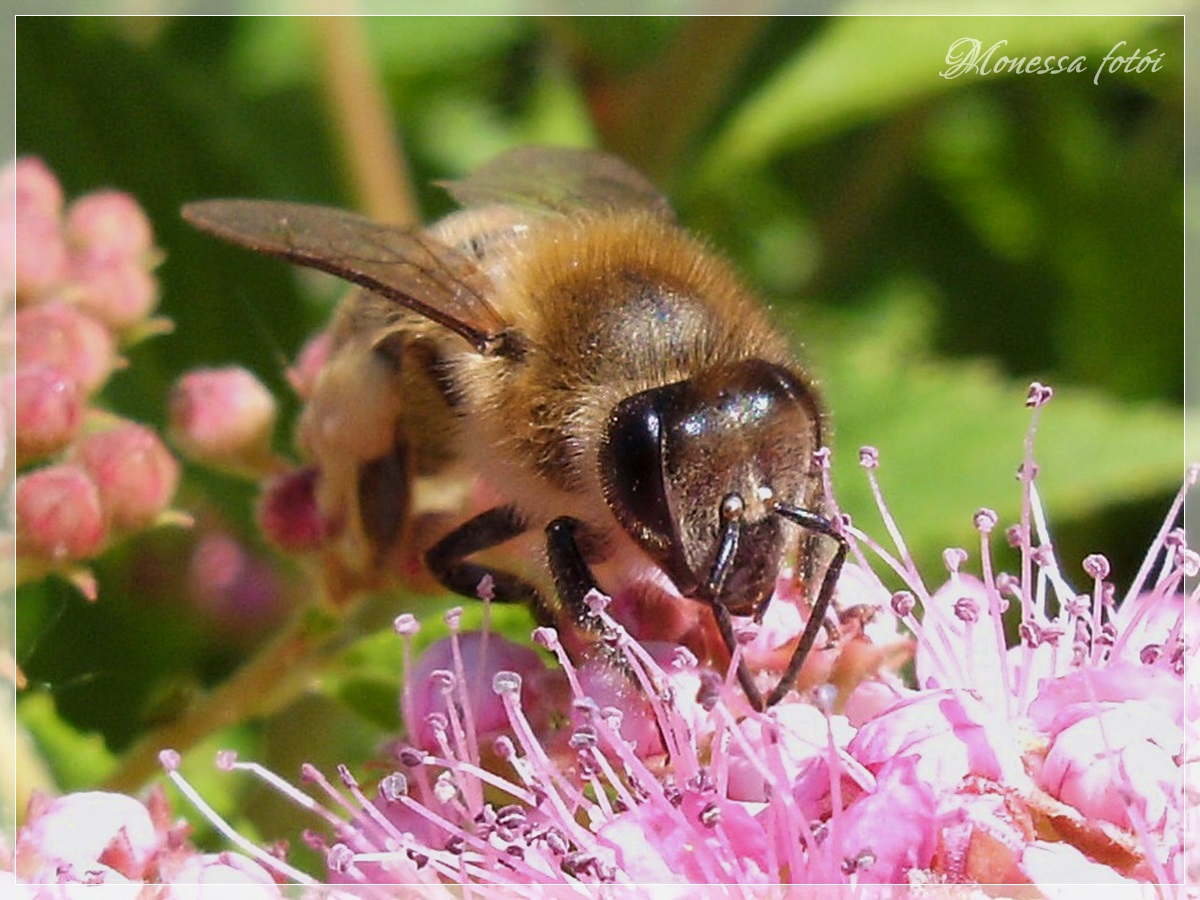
(447, 560)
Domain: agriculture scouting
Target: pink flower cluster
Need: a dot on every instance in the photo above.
(1059, 759)
(80, 278)
(923, 747)
(93, 838)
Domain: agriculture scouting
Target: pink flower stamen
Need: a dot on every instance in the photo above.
(550, 788)
(985, 521)
(312, 775)
(968, 778)
(909, 568)
(171, 767)
(464, 731)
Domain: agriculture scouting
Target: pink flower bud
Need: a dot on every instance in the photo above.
(288, 514)
(219, 874)
(948, 733)
(48, 410)
(223, 417)
(38, 261)
(238, 591)
(664, 843)
(58, 513)
(32, 185)
(1118, 765)
(31, 203)
(134, 471)
(799, 735)
(607, 686)
(892, 829)
(302, 374)
(58, 335)
(1115, 736)
(118, 291)
(109, 224)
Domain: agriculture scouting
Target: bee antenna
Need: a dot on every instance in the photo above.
(732, 510)
(806, 518)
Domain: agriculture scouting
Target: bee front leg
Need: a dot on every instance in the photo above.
(818, 524)
(447, 560)
(574, 581)
(571, 573)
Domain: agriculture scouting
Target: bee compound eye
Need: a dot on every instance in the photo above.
(631, 470)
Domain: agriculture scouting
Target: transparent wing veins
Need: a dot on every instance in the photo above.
(401, 264)
(558, 179)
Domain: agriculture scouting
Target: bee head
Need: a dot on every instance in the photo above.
(692, 471)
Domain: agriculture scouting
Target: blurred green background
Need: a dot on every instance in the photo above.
(933, 244)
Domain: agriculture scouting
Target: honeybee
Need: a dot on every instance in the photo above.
(606, 376)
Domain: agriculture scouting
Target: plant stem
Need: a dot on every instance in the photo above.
(368, 136)
(679, 92)
(280, 672)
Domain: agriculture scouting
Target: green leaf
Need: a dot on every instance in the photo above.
(266, 55)
(78, 759)
(951, 435)
(865, 67)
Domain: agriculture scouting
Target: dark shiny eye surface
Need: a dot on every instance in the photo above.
(632, 454)
(631, 458)
(672, 454)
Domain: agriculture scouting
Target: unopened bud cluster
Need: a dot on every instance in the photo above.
(225, 418)
(78, 288)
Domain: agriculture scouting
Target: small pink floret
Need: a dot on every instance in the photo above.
(134, 471)
(109, 224)
(221, 415)
(48, 410)
(59, 335)
(59, 515)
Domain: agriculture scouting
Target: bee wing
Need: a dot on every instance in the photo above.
(403, 265)
(558, 179)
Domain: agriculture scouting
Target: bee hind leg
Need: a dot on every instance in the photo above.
(447, 560)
